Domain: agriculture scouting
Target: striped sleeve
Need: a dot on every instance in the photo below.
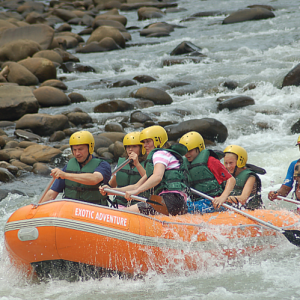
(167, 159)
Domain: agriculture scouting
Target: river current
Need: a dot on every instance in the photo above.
(260, 52)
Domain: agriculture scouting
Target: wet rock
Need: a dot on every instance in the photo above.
(112, 16)
(39, 153)
(210, 129)
(21, 165)
(139, 103)
(11, 144)
(41, 169)
(113, 136)
(66, 56)
(43, 124)
(102, 142)
(68, 42)
(57, 136)
(294, 129)
(118, 149)
(64, 14)
(269, 7)
(106, 44)
(2, 142)
(293, 77)
(55, 83)
(18, 49)
(42, 68)
(174, 10)
(133, 5)
(125, 82)
(107, 31)
(20, 74)
(4, 156)
(40, 33)
(78, 118)
(231, 85)
(35, 18)
(49, 54)
(158, 96)
(185, 90)
(144, 78)
(249, 86)
(86, 31)
(64, 27)
(177, 61)
(77, 98)
(49, 96)
(236, 102)
(5, 175)
(16, 101)
(29, 6)
(139, 117)
(207, 13)
(12, 169)
(25, 144)
(112, 23)
(113, 127)
(28, 136)
(69, 67)
(113, 106)
(145, 13)
(175, 84)
(13, 153)
(185, 47)
(248, 14)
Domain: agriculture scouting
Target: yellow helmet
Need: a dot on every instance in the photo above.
(298, 141)
(240, 152)
(156, 133)
(83, 138)
(192, 140)
(133, 138)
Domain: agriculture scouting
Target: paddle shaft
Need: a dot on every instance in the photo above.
(46, 189)
(240, 212)
(289, 200)
(123, 194)
(122, 165)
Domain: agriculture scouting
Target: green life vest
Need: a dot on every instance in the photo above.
(201, 178)
(82, 192)
(174, 179)
(126, 176)
(254, 201)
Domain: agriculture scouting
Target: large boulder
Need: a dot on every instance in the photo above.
(106, 44)
(50, 96)
(64, 14)
(236, 102)
(145, 13)
(40, 33)
(43, 124)
(107, 31)
(211, 129)
(292, 77)
(16, 101)
(112, 16)
(49, 54)
(18, 49)
(20, 75)
(249, 14)
(186, 47)
(113, 106)
(39, 153)
(42, 68)
(156, 95)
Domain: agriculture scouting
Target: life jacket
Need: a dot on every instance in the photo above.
(82, 192)
(126, 176)
(254, 201)
(174, 179)
(201, 178)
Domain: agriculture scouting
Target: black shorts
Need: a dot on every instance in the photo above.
(175, 203)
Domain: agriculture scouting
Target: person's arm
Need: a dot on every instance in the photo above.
(137, 164)
(113, 182)
(218, 201)
(153, 180)
(86, 178)
(283, 191)
(50, 195)
(248, 187)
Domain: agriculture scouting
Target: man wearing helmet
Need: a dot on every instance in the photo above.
(288, 182)
(207, 174)
(81, 177)
(166, 174)
(132, 172)
(247, 190)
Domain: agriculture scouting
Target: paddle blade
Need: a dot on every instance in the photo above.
(158, 203)
(293, 236)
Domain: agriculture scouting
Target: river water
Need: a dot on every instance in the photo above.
(260, 52)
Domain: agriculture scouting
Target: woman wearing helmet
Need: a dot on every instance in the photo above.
(247, 191)
(165, 174)
(132, 172)
(81, 177)
(206, 174)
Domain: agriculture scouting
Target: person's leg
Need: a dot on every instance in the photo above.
(175, 203)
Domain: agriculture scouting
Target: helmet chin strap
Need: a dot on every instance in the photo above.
(233, 174)
(86, 159)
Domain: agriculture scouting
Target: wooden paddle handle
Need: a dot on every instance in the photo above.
(46, 189)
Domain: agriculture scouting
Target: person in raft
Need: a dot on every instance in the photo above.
(206, 174)
(166, 174)
(81, 177)
(288, 182)
(246, 193)
(132, 172)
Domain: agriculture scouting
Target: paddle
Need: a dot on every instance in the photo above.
(289, 200)
(46, 189)
(292, 235)
(122, 165)
(157, 202)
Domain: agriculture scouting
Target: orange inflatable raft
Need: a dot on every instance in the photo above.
(111, 239)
